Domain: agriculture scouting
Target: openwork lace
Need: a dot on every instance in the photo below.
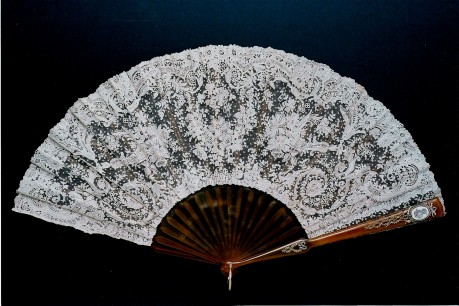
(261, 118)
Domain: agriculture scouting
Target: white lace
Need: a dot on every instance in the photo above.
(261, 118)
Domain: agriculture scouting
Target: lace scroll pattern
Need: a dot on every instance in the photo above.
(261, 118)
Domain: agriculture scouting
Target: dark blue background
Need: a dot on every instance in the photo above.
(405, 53)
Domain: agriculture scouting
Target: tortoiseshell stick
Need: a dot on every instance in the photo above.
(424, 211)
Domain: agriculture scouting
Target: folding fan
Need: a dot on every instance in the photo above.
(230, 155)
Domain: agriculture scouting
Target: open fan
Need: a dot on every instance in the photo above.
(229, 155)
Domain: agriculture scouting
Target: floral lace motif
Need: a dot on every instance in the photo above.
(260, 118)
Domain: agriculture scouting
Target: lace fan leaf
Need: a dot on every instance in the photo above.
(260, 118)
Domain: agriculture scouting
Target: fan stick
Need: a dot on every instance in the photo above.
(391, 221)
(296, 247)
(257, 228)
(255, 224)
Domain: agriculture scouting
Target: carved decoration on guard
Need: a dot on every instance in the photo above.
(413, 214)
(296, 247)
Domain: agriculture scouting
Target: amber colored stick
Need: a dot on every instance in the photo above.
(396, 219)
(293, 248)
